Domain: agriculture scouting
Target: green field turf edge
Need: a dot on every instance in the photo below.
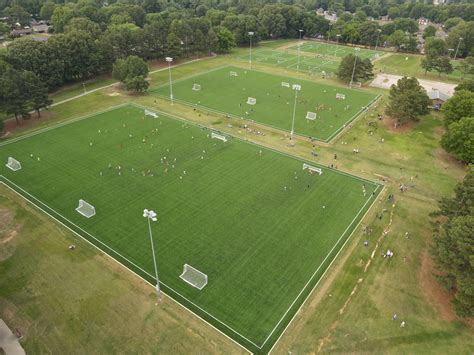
(330, 137)
(242, 340)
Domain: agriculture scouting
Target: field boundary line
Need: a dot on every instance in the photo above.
(322, 263)
(327, 269)
(121, 256)
(182, 119)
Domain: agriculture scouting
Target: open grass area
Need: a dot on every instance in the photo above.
(334, 50)
(214, 212)
(228, 95)
(85, 298)
(410, 65)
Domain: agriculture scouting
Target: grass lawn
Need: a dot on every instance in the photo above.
(332, 50)
(399, 65)
(227, 94)
(214, 211)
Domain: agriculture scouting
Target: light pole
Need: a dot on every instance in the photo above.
(337, 43)
(169, 60)
(378, 35)
(353, 69)
(151, 217)
(457, 48)
(297, 88)
(329, 31)
(299, 44)
(450, 51)
(250, 56)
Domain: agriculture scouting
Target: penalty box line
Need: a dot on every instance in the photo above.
(121, 256)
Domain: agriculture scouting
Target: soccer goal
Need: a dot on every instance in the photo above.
(86, 209)
(151, 113)
(194, 277)
(311, 115)
(251, 101)
(340, 96)
(219, 136)
(285, 84)
(312, 169)
(13, 164)
(196, 87)
(233, 73)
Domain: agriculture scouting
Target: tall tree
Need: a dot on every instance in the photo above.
(128, 68)
(225, 40)
(430, 31)
(363, 69)
(407, 100)
(459, 139)
(137, 84)
(460, 105)
(453, 246)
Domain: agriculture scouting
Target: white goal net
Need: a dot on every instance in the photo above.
(285, 84)
(251, 101)
(219, 136)
(311, 115)
(196, 87)
(233, 73)
(151, 113)
(13, 164)
(194, 277)
(340, 96)
(86, 209)
(312, 169)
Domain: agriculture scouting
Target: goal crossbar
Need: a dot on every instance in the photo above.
(151, 113)
(13, 164)
(85, 209)
(218, 136)
(193, 277)
(312, 169)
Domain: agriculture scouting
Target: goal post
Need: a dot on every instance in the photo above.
(196, 87)
(340, 96)
(85, 209)
(151, 113)
(233, 73)
(13, 164)
(285, 84)
(251, 100)
(218, 136)
(311, 115)
(312, 169)
(193, 277)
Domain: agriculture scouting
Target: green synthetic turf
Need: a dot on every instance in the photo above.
(228, 94)
(289, 60)
(328, 49)
(229, 216)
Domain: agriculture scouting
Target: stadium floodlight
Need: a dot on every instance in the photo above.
(299, 45)
(357, 50)
(170, 60)
(151, 217)
(378, 35)
(250, 49)
(457, 48)
(13, 164)
(296, 88)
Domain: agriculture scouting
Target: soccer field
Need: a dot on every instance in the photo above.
(333, 50)
(259, 226)
(306, 63)
(226, 94)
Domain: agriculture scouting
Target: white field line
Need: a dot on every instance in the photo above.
(353, 118)
(181, 119)
(139, 268)
(107, 86)
(116, 253)
(325, 271)
(322, 263)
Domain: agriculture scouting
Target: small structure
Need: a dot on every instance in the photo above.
(438, 98)
(20, 32)
(40, 28)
